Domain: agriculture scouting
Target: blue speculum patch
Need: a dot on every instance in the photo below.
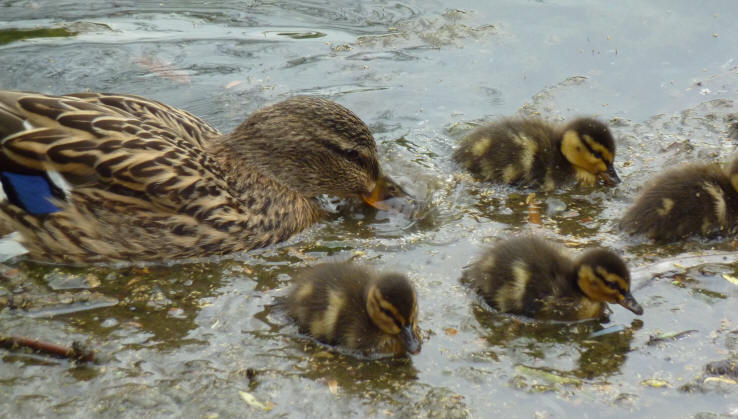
(30, 192)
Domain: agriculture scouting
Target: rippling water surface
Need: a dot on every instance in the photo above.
(201, 340)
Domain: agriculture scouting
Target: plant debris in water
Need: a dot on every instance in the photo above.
(11, 35)
(663, 337)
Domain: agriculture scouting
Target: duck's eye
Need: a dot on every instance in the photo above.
(352, 154)
(597, 154)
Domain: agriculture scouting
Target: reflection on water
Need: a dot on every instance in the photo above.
(535, 342)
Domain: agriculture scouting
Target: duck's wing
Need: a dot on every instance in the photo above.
(126, 145)
(187, 126)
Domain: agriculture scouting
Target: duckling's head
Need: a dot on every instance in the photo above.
(588, 145)
(602, 276)
(315, 146)
(392, 306)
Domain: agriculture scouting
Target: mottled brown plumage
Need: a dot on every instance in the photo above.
(5, 227)
(531, 277)
(152, 182)
(533, 153)
(695, 199)
(348, 306)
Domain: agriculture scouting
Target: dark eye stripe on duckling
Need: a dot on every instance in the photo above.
(389, 309)
(390, 320)
(613, 281)
(391, 316)
(597, 149)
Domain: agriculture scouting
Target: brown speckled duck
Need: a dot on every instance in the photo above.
(92, 177)
(530, 276)
(533, 153)
(695, 199)
(348, 306)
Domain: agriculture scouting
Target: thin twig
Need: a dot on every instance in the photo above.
(76, 352)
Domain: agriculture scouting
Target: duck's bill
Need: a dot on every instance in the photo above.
(410, 339)
(631, 304)
(610, 177)
(384, 194)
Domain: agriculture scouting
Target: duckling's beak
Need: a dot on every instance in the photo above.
(410, 340)
(384, 190)
(610, 177)
(631, 304)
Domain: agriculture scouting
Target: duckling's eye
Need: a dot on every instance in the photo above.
(391, 316)
(597, 154)
(613, 286)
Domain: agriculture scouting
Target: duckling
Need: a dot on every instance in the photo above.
(529, 276)
(533, 153)
(95, 177)
(352, 307)
(695, 199)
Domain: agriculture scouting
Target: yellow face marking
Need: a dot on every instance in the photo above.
(304, 292)
(594, 145)
(481, 146)
(510, 296)
(325, 325)
(580, 157)
(392, 309)
(594, 287)
(720, 206)
(374, 305)
(613, 278)
(667, 205)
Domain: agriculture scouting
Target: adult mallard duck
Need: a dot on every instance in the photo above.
(345, 305)
(97, 177)
(536, 154)
(530, 276)
(695, 199)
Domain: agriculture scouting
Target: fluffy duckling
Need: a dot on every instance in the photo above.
(345, 305)
(534, 153)
(529, 276)
(696, 199)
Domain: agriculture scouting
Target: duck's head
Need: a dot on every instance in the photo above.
(588, 145)
(316, 147)
(602, 276)
(392, 306)
(733, 173)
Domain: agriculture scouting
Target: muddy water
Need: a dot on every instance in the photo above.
(201, 340)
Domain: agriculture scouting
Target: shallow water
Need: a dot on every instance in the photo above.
(187, 339)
